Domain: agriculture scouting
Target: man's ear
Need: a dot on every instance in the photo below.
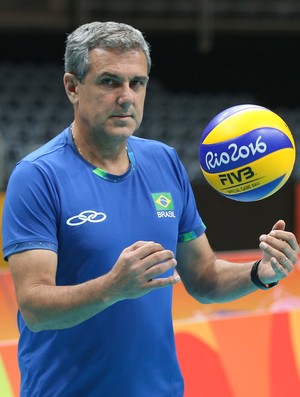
(71, 87)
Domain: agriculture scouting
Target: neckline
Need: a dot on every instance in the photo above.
(100, 172)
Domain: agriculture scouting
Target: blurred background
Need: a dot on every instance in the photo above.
(207, 55)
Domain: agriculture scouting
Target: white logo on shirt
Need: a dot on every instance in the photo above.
(86, 216)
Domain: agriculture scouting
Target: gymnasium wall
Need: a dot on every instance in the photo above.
(233, 225)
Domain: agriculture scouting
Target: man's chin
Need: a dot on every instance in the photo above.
(121, 133)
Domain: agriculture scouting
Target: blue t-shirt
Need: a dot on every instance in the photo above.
(58, 201)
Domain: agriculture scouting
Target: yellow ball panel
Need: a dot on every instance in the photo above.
(242, 122)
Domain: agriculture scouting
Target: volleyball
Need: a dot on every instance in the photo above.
(247, 153)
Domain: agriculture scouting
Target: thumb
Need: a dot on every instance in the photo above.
(279, 225)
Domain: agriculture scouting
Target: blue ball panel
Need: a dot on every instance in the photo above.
(256, 194)
(242, 150)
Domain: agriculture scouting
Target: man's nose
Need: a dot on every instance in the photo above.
(125, 98)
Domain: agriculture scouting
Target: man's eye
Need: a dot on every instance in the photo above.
(107, 81)
(138, 83)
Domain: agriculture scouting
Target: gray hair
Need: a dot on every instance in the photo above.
(105, 35)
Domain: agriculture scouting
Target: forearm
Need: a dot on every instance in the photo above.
(227, 281)
(57, 307)
(45, 305)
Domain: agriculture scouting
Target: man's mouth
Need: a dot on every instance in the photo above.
(122, 116)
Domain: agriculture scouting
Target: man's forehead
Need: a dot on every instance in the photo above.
(115, 62)
(113, 55)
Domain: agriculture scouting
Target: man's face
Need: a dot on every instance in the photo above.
(111, 97)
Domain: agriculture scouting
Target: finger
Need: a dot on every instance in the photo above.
(283, 256)
(285, 236)
(282, 241)
(285, 263)
(279, 232)
(280, 270)
(151, 248)
(144, 248)
(156, 283)
(279, 225)
(160, 268)
(137, 245)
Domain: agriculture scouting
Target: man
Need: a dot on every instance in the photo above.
(95, 223)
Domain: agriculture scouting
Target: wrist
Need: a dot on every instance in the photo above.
(255, 279)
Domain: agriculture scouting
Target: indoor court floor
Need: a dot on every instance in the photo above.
(246, 348)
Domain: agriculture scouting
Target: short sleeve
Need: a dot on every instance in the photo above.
(30, 211)
(191, 225)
